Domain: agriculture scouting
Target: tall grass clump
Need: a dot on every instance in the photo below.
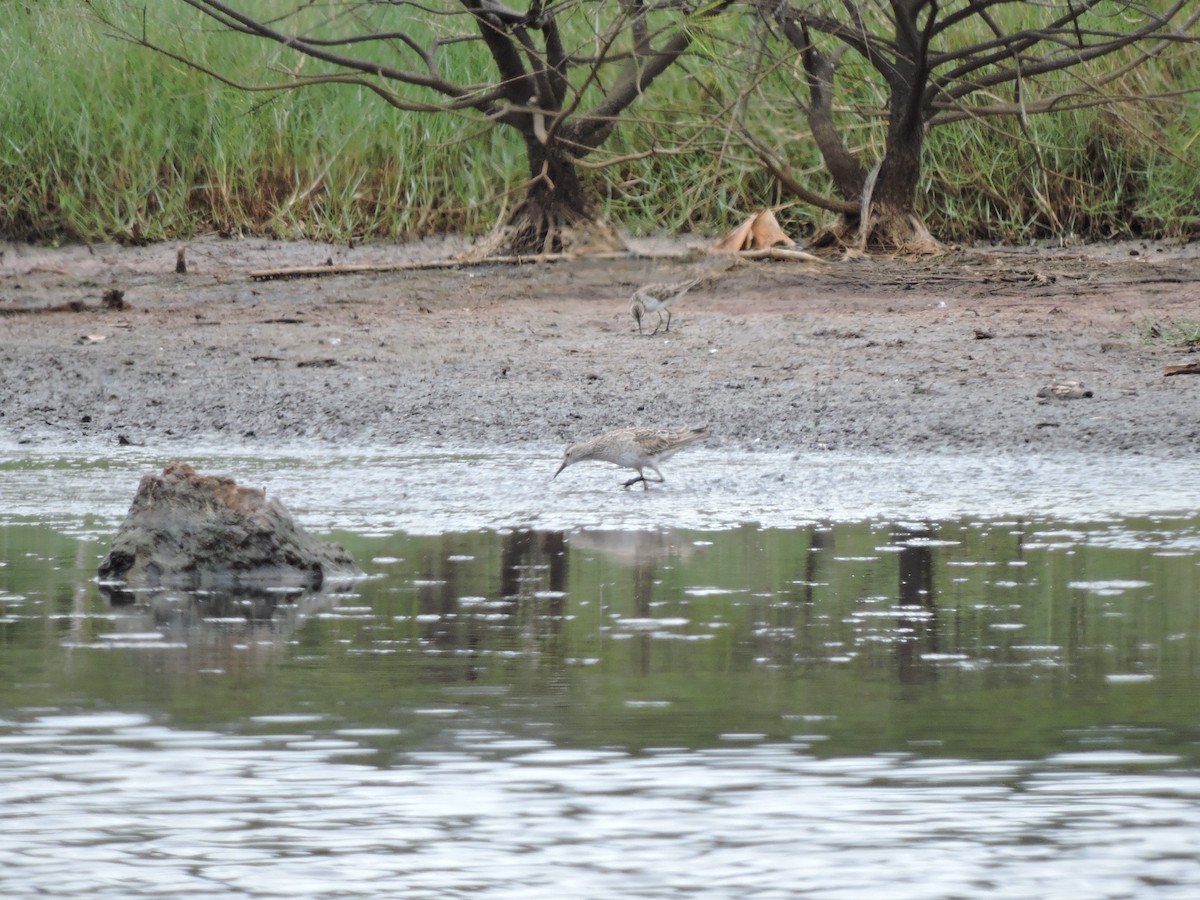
(1183, 333)
(1115, 170)
(108, 140)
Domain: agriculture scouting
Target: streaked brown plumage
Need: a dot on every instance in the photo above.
(634, 448)
(657, 298)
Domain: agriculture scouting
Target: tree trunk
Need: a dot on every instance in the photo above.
(886, 216)
(900, 171)
(892, 220)
(887, 219)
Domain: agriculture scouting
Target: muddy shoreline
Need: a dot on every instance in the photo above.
(867, 354)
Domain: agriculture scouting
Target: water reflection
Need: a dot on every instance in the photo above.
(988, 638)
(916, 626)
(640, 549)
(203, 630)
(528, 555)
(928, 708)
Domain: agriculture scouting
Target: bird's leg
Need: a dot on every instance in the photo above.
(644, 480)
(658, 326)
(668, 320)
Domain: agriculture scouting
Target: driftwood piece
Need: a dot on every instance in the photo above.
(781, 253)
(1192, 368)
(360, 268)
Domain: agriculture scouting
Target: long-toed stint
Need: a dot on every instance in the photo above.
(634, 448)
(657, 298)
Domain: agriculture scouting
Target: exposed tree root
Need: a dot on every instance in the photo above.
(536, 229)
(898, 232)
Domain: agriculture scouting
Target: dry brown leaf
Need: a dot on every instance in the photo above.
(758, 232)
(736, 239)
(765, 232)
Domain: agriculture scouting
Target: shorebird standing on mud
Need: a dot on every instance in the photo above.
(634, 448)
(657, 298)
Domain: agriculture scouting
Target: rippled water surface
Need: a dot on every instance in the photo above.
(772, 677)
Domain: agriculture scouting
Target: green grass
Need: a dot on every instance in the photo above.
(101, 139)
(105, 139)
(1184, 333)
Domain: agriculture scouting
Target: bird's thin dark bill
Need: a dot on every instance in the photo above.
(560, 468)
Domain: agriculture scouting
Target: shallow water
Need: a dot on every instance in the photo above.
(865, 678)
(426, 490)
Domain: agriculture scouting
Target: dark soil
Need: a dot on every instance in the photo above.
(948, 353)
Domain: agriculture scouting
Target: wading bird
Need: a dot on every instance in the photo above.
(634, 448)
(657, 298)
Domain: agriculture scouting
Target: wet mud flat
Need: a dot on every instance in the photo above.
(952, 353)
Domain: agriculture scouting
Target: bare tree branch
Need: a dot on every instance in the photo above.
(563, 104)
(938, 69)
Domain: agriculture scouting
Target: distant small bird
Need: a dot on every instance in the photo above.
(633, 448)
(657, 298)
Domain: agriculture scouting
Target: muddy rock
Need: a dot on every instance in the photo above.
(1064, 390)
(187, 530)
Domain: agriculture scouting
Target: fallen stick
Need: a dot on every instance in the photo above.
(1192, 368)
(782, 253)
(359, 268)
